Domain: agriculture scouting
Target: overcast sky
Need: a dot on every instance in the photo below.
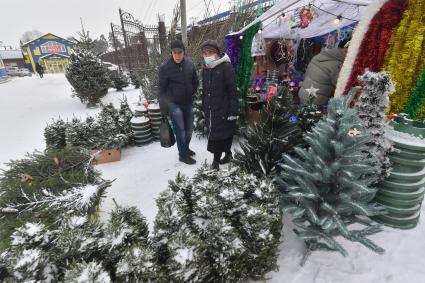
(62, 18)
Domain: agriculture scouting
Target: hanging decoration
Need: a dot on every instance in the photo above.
(258, 47)
(246, 61)
(280, 53)
(305, 52)
(292, 22)
(370, 42)
(405, 57)
(301, 18)
(306, 16)
(259, 83)
(233, 47)
(415, 106)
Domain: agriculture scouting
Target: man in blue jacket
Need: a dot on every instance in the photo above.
(178, 83)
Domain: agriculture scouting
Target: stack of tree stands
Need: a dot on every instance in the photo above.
(155, 117)
(142, 130)
(402, 192)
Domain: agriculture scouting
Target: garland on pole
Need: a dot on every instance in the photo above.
(415, 106)
(405, 56)
(233, 48)
(246, 62)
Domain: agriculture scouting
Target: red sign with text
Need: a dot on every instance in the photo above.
(53, 49)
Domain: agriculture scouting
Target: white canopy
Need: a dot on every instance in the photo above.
(325, 14)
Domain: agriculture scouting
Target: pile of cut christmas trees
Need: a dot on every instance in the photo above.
(104, 134)
(223, 226)
(216, 226)
(219, 226)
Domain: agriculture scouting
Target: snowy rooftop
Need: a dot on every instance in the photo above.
(11, 54)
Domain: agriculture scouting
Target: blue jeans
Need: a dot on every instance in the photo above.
(182, 118)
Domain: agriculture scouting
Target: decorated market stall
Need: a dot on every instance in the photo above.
(389, 38)
(276, 48)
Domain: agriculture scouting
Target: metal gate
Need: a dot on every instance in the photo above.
(134, 42)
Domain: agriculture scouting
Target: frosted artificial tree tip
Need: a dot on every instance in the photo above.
(372, 106)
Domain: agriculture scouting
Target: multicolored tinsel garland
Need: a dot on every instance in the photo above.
(233, 48)
(374, 44)
(246, 61)
(405, 57)
(415, 104)
(357, 39)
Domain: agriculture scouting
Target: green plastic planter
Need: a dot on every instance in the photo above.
(408, 222)
(403, 195)
(406, 125)
(409, 154)
(409, 174)
(400, 186)
(402, 212)
(403, 191)
(419, 163)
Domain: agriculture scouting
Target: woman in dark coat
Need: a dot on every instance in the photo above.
(219, 101)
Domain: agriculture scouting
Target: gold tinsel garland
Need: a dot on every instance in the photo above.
(405, 57)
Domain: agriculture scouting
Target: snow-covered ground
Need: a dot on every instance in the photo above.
(27, 104)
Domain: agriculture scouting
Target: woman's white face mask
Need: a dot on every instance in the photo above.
(209, 59)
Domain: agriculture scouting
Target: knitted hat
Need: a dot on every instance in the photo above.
(211, 45)
(177, 45)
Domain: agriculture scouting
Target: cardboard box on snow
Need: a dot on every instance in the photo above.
(106, 155)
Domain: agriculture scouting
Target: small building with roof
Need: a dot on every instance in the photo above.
(12, 58)
(50, 51)
(3, 72)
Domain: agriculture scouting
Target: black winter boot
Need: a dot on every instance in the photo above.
(190, 152)
(188, 160)
(226, 159)
(215, 165)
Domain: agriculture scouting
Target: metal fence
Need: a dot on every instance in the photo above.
(133, 42)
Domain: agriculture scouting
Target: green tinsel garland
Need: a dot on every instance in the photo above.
(246, 61)
(416, 101)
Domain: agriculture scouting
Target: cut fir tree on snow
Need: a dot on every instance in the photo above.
(263, 144)
(119, 79)
(86, 73)
(328, 186)
(76, 249)
(220, 226)
(46, 185)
